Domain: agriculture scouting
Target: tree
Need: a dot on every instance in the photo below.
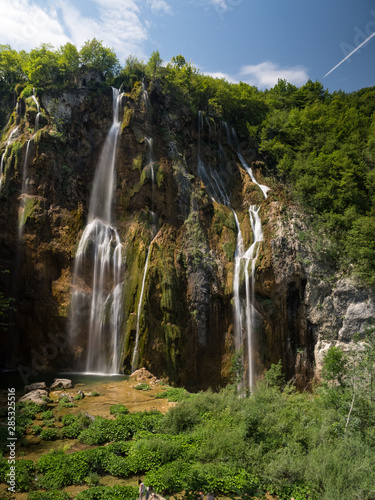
(68, 60)
(178, 61)
(11, 71)
(154, 64)
(97, 57)
(42, 66)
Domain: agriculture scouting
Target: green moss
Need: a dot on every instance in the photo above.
(32, 204)
(128, 113)
(27, 92)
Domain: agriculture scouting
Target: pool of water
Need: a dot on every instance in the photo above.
(14, 379)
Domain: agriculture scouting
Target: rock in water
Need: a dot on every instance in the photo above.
(34, 386)
(36, 397)
(61, 383)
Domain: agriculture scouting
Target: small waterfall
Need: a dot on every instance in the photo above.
(98, 265)
(23, 196)
(4, 155)
(36, 127)
(145, 98)
(135, 352)
(263, 188)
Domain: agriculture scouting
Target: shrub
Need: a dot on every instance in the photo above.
(118, 409)
(25, 471)
(37, 429)
(48, 495)
(174, 394)
(47, 415)
(108, 493)
(60, 470)
(142, 387)
(49, 434)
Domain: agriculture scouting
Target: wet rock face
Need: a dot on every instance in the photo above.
(305, 304)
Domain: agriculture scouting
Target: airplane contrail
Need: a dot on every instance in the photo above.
(351, 53)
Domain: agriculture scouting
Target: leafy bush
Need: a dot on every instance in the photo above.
(108, 493)
(49, 434)
(48, 495)
(58, 470)
(118, 409)
(47, 415)
(174, 394)
(142, 387)
(37, 429)
(25, 471)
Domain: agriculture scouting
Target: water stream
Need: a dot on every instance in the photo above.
(97, 279)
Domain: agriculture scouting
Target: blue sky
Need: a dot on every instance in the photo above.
(257, 41)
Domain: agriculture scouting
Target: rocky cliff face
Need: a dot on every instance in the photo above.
(186, 322)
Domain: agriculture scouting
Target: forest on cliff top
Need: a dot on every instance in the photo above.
(319, 145)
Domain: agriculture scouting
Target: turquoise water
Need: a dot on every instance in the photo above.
(14, 379)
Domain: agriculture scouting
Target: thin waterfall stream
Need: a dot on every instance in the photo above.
(97, 276)
(244, 311)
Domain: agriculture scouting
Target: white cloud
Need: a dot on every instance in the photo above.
(222, 4)
(25, 25)
(266, 74)
(225, 76)
(160, 5)
(121, 24)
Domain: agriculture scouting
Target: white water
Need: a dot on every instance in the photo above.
(250, 258)
(36, 127)
(135, 352)
(100, 250)
(244, 261)
(4, 155)
(23, 192)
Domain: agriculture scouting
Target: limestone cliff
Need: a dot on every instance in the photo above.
(186, 321)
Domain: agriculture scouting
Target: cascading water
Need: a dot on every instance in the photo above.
(4, 155)
(36, 127)
(23, 193)
(139, 311)
(250, 258)
(154, 222)
(98, 265)
(244, 311)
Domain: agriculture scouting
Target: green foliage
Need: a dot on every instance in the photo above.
(274, 376)
(142, 387)
(174, 394)
(49, 434)
(108, 493)
(97, 57)
(48, 495)
(57, 469)
(118, 409)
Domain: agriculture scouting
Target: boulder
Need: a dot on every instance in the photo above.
(35, 396)
(61, 383)
(34, 386)
(143, 375)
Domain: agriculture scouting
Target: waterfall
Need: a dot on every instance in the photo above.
(135, 352)
(4, 155)
(250, 258)
(98, 264)
(36, 127)
(244, 310)
(23, 196)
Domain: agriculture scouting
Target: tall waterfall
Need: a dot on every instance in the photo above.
(97, 284)
(154, 222)
(244, 310)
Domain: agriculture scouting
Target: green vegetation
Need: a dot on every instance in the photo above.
(318, 445)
